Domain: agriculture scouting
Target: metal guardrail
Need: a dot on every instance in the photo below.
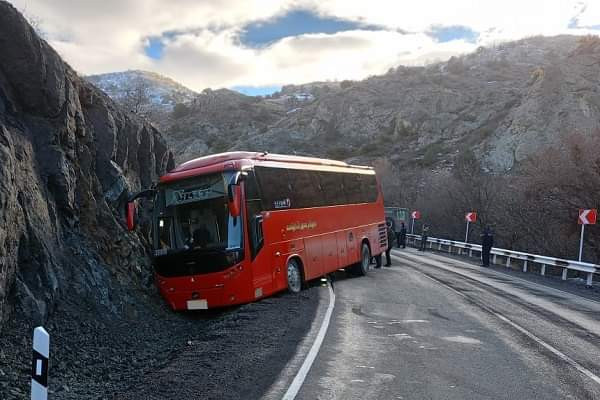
(527, 258)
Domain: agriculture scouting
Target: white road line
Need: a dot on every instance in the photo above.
(524, 331)
(294, 388)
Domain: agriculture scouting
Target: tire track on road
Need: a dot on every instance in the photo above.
(583, 367)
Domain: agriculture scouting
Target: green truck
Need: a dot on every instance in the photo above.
(396, 216)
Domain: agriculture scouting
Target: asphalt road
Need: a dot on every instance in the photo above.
(432, 327)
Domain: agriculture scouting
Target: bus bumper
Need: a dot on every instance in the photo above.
(201, 292)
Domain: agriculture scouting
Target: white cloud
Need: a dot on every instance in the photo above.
(110, 35)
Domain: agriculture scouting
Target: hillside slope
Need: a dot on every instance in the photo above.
(502, 102)
(218, 118)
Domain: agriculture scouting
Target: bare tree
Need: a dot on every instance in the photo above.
(534, 209)
(137, 97)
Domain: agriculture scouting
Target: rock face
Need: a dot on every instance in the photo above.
(68, 156)
(502, 102)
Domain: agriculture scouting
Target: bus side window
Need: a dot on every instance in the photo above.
(253, 210)
(256, 233)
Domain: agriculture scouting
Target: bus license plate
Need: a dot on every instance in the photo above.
(197, 305)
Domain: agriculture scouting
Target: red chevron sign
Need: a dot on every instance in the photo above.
(471, 217)
(416, 215)
(587, 217)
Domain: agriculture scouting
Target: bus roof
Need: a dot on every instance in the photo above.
(236, 159)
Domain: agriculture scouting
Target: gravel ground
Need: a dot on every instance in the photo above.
(158, 354)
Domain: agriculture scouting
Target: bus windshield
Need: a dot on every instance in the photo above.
(193, 215)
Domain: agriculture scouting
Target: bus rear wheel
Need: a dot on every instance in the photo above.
(362, 267)
(294, 277)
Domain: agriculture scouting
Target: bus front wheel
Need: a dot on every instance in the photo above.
(294, 277)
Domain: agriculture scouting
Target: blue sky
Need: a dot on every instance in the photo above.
(257, 90)
(154, 48)
(293, 23)
(449, 33)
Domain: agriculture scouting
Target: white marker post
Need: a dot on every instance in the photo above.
(414, 215)
(39, 364)
(467, 233)
(581, 241)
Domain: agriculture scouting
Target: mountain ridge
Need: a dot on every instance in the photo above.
(502, 101)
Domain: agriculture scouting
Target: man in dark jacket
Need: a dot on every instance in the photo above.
(402, 236)
(390, 239)
(487, 242)
(424, 236)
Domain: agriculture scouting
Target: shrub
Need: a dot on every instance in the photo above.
(180, 110)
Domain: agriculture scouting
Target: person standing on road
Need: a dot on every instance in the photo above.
(424, 236)
(391, 235)
(402, 236)
(487, 242)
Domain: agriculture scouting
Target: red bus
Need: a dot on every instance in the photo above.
(232, 228)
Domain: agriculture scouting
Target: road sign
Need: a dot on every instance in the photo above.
(587, 217)
(471, 217)
(414, 215)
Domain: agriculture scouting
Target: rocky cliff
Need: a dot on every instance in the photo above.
(68, 156)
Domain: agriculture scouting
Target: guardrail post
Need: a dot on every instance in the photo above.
(588, 282)
(440, 246)
(39, 364)
(543, 271)
(564, 274)
(507, 262)
(450, 248)
(525, 266)
(493, 259)
(470, 252)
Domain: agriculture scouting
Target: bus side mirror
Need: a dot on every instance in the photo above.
(234, 200)
(131, 215)
(131, 207)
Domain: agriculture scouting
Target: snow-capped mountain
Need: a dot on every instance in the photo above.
(147, 90)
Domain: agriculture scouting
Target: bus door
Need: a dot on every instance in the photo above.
(262, 278)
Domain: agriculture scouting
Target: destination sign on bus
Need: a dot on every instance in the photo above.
(184, 196)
